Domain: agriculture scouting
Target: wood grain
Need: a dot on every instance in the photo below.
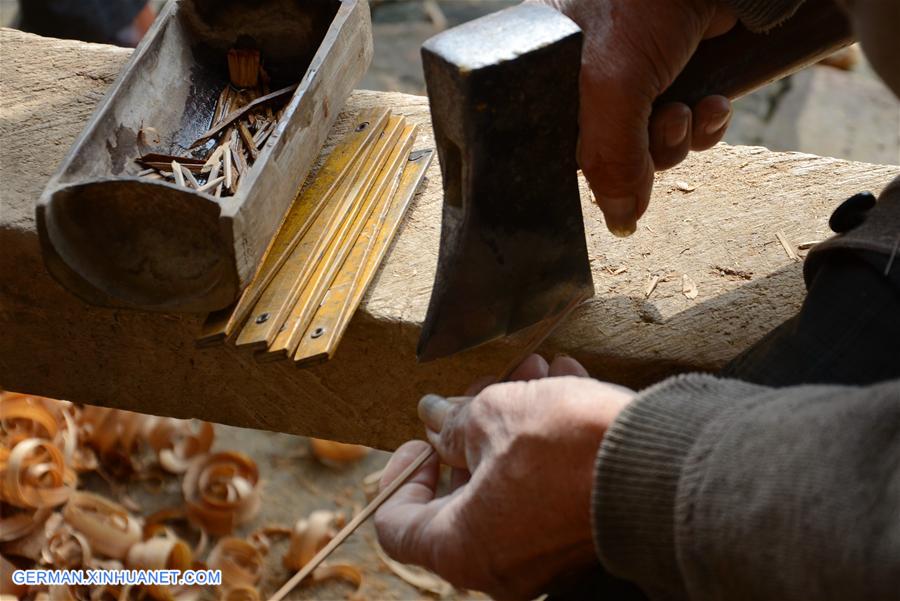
(56, 345)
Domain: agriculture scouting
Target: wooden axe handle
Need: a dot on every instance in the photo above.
(739, 62)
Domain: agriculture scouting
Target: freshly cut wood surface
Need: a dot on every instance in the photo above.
(721, 234)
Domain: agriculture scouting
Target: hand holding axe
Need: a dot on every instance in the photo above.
(503, 92)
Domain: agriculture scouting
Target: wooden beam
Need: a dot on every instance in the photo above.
(714, 218)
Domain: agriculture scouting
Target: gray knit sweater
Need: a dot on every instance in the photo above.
(718, 489)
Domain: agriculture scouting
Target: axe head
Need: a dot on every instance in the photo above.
(503, 92)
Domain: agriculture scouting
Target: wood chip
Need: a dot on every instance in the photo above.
(228, 169)
(189, 177)
(220, 105)
(213, 160)
(688, 287)
(651, 286)
(247, 138)
(237, 154)
(211, 183)
(738, 273)
(808, 244)
(264, 136)
(147, 137)
(179, 175)
(235, 115)
(156, 157)
(788, 249)
(684, 187)
(165, 168)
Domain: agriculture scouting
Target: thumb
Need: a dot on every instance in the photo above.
(614, 151)
(444, 420)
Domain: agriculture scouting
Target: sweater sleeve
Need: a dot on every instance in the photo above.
(762, 15)
(718, 489)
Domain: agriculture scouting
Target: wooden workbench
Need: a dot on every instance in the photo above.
(714, 219)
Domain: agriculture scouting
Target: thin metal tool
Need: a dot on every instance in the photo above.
(544, 331)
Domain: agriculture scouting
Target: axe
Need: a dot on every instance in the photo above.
(503, 92)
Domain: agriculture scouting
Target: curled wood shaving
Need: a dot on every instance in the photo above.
(67, 549)
(166, 552)
(261, 538)
(341, 571)
(7, 587)
(310, 535)
(108, 527)
(418, 577)
(114, 435)
(241, 563)
(16, 525)
(31, 546)
(177, 441)
(22, 417)
(371, 484)
(35, 475)
(241, 593)
(221, 491)
(336, 454)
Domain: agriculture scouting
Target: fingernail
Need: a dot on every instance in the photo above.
(717, 122)
(676, 131)
(433, 410)
(620, 217)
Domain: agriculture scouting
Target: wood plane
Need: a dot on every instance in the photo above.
(116, 239)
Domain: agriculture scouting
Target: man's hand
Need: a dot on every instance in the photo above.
(518, 513)
(633, 50)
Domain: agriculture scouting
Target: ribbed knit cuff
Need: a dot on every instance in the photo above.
(762, 15)
(637, 473)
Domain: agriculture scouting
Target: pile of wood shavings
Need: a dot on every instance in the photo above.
(47, 447)
(243, 121)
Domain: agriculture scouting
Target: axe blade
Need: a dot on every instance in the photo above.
(503, 92)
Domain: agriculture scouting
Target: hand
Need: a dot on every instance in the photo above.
(518, 513)
(633, 50)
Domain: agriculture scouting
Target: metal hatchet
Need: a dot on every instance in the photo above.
(503, 91)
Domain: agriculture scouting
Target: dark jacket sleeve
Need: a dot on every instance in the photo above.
(761, 15)
(88, 20)
(718, 489)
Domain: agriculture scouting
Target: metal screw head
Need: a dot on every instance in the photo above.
(362, 126)
(262, 318)
(317, 332)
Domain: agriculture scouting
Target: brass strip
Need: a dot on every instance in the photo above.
(328, 325)
(379, 195)
(272, 309)
(342, 162)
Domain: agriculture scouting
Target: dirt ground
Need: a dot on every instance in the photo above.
(294, 484)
